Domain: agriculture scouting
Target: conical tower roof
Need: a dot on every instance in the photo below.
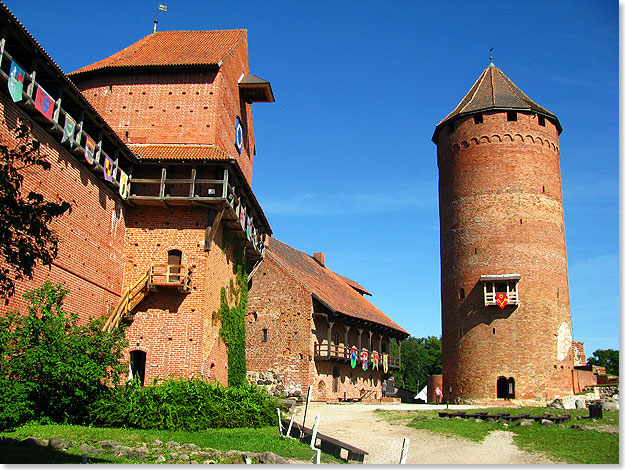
(494, 91)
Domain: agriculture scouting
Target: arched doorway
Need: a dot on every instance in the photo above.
(137, 365)
(335, 379)
(502, 387)
(174, 257)
(511, 387)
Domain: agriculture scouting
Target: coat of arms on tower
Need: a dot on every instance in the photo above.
(502, 299)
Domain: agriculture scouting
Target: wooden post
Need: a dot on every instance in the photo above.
(329, 337)
(288, 431)
(161, 192)
(404, 451)
(313, 440)
(279, 422)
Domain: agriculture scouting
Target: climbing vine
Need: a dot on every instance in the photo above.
(232, 315)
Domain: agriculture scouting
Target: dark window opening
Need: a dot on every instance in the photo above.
(541, 121)
(264, 335)
(512, 115)
(335, 379)
(501, 287)
(478, 118)
(543, 189)
(493, 330)
(137, 365)
(383, 347)
(521, 220)
(476, 251)
(461, 293)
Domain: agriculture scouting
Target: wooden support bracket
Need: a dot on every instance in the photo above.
(214, 218)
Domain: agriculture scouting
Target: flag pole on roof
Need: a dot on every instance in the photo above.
(160, 7)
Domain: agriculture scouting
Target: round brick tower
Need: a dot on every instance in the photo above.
(504, 283)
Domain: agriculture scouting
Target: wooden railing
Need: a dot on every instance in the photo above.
(490, 298)
(170, 275)
(129, 300)
(158, 275)
(341, 353)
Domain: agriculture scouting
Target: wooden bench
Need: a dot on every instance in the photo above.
(327, 444)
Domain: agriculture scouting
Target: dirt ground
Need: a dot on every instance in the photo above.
(357, 424)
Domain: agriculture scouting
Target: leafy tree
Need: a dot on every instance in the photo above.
(420, 357)
(51, 367)
(607, 358)
(25, 236)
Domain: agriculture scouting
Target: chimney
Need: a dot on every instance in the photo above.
(320, 258)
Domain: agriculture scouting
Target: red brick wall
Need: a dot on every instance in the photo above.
(501, 212)
(583, 379)
(194, 107)
(280, 304)
(176, 330)
(91, 238)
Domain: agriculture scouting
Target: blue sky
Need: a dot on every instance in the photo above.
(345, 162)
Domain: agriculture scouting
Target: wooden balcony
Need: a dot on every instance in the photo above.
(218, 186)
(334, 352)
(168, 276)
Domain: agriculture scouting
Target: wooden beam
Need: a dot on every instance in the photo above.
(214, 218)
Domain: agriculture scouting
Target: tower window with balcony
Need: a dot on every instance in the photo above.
(501, 289)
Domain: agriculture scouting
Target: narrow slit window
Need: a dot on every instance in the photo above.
(264, 335)
(462, 293)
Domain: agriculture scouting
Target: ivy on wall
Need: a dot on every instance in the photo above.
(232, 315)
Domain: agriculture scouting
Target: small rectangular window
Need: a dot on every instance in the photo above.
(512, 115)
(541, 121)
(478, 118)
(264, 335)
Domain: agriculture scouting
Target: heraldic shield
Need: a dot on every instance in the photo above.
(502, 299)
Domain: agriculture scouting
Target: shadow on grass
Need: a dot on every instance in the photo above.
(15, 454)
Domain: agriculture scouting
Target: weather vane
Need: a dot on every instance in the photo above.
(491, 57)
(160, 7)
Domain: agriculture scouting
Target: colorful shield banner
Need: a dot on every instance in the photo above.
(16, 82)
(502, 299)
(89, 149)
(108, 168)
(375, 358)
(364, 356)
(353, 356)
(124, 188)
(69, 129)
(238, 135)
(242, 218)
(385, 362)
(44, 103)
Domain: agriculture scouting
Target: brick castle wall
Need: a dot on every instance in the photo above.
(177, 330)
(91, 238)
(278, 303)
(171, 107)
(501, 212)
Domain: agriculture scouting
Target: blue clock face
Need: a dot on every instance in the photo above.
(238, 135)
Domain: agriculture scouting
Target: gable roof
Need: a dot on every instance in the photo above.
(328, 287)
(494, 91)
(173, 48)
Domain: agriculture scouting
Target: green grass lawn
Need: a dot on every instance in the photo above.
(599, 444)
(242, 439)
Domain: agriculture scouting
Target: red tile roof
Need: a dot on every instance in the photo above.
(494, 90)
(328, 287)
(178, 152)
(174, 48)
(355, 285)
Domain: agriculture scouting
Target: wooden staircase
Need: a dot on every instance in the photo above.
(158, 276)
(130, 299)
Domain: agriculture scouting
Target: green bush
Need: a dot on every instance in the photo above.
(52, 367)
(186, 405)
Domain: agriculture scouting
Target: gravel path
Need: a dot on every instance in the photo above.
(357, 424)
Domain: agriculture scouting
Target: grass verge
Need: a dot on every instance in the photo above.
(598, 444)
(242, 439)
